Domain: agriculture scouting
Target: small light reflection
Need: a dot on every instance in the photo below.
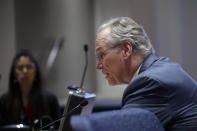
(20, 126)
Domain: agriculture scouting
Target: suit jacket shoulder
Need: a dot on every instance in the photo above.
(162, 87)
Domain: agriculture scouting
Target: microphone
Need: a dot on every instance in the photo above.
(81, 104)
(86, 65)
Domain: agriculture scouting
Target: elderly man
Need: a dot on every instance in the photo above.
(125, 56)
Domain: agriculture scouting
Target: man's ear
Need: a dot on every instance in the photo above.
(127, 49)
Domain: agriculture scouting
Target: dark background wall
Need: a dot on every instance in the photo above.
(36, 24)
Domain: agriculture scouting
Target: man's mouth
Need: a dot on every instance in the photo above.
(105, 74)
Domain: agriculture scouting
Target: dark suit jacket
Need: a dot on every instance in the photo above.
(165, 89)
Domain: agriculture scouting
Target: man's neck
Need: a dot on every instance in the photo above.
(136, 63)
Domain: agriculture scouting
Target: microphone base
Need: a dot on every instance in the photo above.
(75, 97)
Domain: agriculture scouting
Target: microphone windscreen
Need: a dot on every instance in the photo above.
(84, 103)
(86, 47)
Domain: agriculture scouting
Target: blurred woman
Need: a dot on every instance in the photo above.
(25, 100)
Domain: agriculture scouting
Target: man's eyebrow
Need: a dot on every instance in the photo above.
(98, 49)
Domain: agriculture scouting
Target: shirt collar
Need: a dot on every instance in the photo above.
(136, 73)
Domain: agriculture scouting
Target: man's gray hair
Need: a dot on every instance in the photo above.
(126, 29)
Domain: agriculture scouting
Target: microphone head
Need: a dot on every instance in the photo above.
(86, 47)
(83, 103)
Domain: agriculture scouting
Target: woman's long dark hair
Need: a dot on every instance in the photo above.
(14, 104)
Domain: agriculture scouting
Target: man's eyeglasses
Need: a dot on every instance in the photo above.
(100, 56)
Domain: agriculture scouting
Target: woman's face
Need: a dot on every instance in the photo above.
(25, 72)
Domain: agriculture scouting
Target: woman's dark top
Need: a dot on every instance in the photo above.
(45, 107)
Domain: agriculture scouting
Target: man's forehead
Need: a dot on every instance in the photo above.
(101, 39)
(99, 46)
(105, 32)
